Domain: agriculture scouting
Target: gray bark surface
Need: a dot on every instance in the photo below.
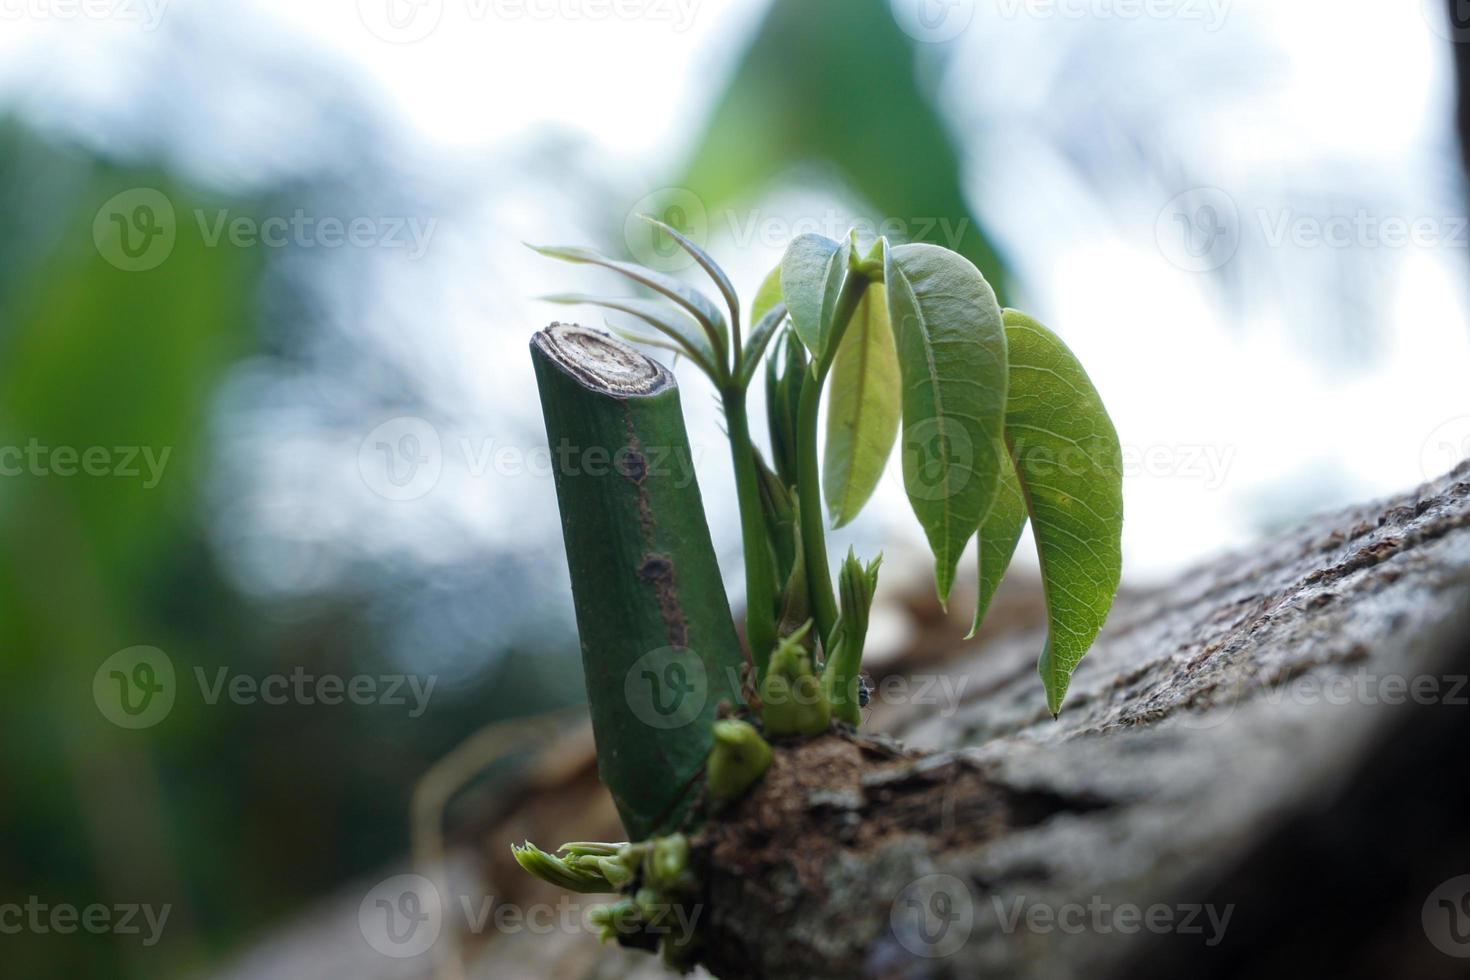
(1278, 736)
(1206, 735)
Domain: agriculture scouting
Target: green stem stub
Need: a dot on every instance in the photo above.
(659, 648)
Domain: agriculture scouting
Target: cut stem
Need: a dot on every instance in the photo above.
(659, 648)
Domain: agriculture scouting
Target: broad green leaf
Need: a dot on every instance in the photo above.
(806, 269)
(691, 342)
(695, 303)
(767, 296)
(1070, 472)
(702, 258)
(863, 408)
(1000, 532)
(952, 360)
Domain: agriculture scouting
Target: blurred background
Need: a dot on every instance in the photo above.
(267, 416)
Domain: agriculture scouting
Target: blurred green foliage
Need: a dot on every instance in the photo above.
(231, 814)
(95, 356)
(837, 83)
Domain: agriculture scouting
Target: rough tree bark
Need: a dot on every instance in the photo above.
(1277, 736)
(1280, 733)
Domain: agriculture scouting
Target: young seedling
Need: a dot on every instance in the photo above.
(999, 426)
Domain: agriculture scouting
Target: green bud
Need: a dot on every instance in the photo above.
(792, 702)
(563, 874)
(615, 871)
(856, 585)
(667, 864)
(650, 903)
(870, 266)
(619, 918)
(739, 758)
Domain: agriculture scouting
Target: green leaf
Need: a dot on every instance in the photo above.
(863, 411)
(810, 263)
(760, 338)
(783, 401)
(767, 296)
(952, 359)
(695, 303)
(709, 265)
(1070, 472)
(673, 325)
(999, 534)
